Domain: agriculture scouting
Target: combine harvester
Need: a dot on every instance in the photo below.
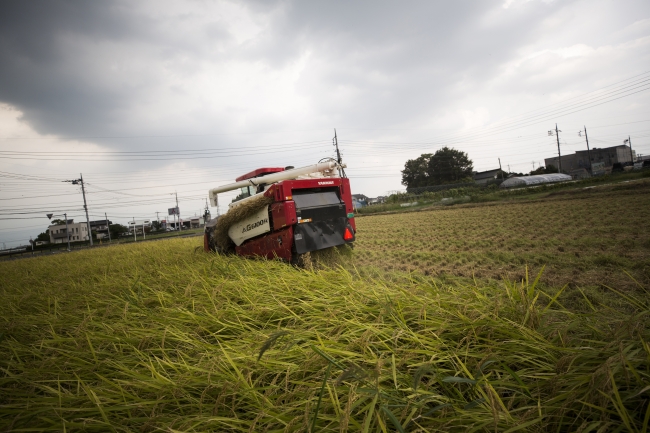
(285, 213)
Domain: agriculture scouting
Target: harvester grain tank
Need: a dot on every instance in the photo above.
(284, 213)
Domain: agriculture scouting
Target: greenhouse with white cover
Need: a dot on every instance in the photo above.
(538, 179)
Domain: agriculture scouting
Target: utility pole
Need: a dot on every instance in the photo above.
(206, 213)
(500, 169)
(135, 236)
(83, 191)
(338, 154)
(158, 219)
(559, 156)
(178, 211)
(67, 232)
(588, 151)
(629, 140)
(108, 227)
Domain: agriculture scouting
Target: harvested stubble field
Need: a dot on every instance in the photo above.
(584, 237)
(162, 337)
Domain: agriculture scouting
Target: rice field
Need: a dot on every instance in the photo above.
(160, 336)
(586, 237)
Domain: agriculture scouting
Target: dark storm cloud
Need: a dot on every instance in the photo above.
(40, 74)
(82, 68)
(55, 59)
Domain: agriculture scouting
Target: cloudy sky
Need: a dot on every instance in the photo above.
(150, 98)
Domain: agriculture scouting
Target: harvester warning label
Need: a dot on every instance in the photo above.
(254, 225)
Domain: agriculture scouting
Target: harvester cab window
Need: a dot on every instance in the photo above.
(247, 191)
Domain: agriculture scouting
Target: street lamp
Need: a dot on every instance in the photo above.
(67, 232)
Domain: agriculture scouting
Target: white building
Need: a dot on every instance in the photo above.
(78, 232)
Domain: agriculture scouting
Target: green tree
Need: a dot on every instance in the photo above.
(415, 171)
(116, 230)
(538, 170)
(43, 237)
(57, 222)
(449, 166)
(544, 170)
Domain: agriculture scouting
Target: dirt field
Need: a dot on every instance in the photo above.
(585, 237)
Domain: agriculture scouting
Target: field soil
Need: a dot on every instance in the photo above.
(586, 237)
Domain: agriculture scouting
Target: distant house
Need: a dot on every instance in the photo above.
(377, 200)
(184, 223)
(197, 222)
(608, 156)
(76, 232)
(100, 227)
(359, 201)
(483, 177)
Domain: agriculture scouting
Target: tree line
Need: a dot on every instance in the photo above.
(445, 166)
(448, 166)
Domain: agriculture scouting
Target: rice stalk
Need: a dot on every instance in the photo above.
(171, 340)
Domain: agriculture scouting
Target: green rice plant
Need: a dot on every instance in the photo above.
(156, 337)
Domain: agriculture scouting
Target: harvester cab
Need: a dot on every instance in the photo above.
(284, 213)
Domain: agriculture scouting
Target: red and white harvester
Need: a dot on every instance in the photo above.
(284, 213)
